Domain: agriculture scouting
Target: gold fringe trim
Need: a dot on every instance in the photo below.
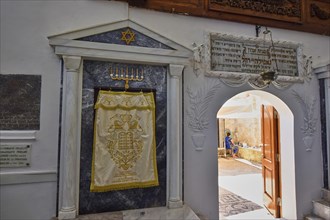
(123, 186)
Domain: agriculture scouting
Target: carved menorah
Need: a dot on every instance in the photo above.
(126, 75)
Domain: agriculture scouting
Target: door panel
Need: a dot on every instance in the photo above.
(270, 166)
(267, 145)
(268, 174)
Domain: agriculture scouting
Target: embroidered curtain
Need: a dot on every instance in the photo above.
(124, 149)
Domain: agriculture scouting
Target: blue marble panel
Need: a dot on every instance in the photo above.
(114, 37)
(96, 75)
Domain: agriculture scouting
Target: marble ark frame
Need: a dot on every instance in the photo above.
(73, 53)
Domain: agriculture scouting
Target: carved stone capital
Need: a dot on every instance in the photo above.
(176, 70)
(72, 63)
(322, 72)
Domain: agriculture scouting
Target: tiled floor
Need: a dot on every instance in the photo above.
(245, 182)
(232, 204)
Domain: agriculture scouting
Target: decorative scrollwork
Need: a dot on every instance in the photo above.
(291, 8)
(199, 101)
(281, 85)
(307, 68)
(257, 83)
(309, 127)
(198, 59)
(198, 119)
(237, 82)
(316, 11)
(125, 142)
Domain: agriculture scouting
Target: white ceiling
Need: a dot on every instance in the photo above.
(243, 105)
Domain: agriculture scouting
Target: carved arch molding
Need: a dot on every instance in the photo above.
(307, 15)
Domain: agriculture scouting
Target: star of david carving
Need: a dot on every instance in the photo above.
(128, 36)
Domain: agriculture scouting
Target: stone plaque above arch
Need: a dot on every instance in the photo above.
(239, 60)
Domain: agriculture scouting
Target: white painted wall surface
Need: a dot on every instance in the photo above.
(35, 201)
(25, 26)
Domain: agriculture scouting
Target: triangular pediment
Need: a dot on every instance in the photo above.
(120, 36)
(126, 36)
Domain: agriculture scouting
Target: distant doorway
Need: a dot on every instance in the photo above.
(250, 185)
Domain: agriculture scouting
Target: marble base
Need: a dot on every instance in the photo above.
(326, 194)
(175, 204)
(312, 217)
(159, 213)
(71, 214)
(102, 216)
(321, 208)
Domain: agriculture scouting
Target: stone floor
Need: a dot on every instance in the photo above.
(233, 167)
(240, 183)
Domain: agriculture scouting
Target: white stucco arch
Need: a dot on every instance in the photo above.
(201, 166)
(287, 150)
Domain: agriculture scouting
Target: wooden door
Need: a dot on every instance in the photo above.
(270, 159)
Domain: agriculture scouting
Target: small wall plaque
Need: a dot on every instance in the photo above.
(15, 155)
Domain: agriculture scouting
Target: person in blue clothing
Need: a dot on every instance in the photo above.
(228, 141)
(230, 145)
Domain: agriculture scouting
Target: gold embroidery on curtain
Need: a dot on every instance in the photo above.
(124, 148)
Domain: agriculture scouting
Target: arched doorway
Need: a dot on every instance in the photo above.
(245, 107)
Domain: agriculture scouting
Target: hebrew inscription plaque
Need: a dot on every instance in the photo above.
(15, 155)
(239, 55)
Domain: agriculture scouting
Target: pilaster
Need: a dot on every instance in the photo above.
(69, 138)
(174, 133)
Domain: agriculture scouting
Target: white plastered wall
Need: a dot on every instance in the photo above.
(30, 193)
(25, 26)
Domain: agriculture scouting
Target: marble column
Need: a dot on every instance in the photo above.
(174, 136)
(69, 138)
